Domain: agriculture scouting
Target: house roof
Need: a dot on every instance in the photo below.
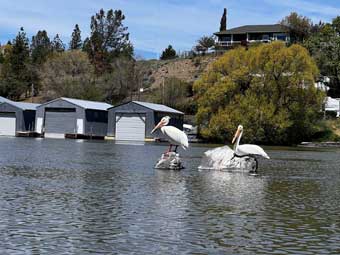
(158, 107)
(94, 105)
(272, 28)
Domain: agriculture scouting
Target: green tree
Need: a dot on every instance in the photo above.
(324, 46)
(75, 43)
(57, 44)
(40, 47)
(168, 53)
(109, 39)
(336, 24)
(2, 58)
(69, 74)
(298, 26)
(16, 78)
(205, 43)
(121, 82)
(175, 93)
(269, 89)
(223, 23)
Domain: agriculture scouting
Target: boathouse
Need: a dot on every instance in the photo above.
(68, 117)
(16, 117)
(133, 121)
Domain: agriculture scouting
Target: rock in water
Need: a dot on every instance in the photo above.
(170, 161)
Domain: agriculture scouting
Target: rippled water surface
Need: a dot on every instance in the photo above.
(87, 197)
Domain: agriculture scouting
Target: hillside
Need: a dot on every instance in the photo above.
(187, 70)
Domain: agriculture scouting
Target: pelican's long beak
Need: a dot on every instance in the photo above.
(237, 134)
(159, 125)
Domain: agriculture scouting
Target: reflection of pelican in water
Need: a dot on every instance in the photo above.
(241, 158)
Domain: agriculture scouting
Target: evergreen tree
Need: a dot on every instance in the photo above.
(168, 53)
(109, 39)
(2, 57)
(86, 45)
(75, 43)
(223, 24)
(57, 44)
(324, 46)
(16, 78)
(40, 47)
(336, 24)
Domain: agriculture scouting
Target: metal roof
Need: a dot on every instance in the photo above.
(273, 28)
(158, 107)
(24, 106)
(88, 104)
(3, 99)
(21, 105)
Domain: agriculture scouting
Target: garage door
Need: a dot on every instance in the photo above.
(7, 123)
(130, 127)
(61, 122)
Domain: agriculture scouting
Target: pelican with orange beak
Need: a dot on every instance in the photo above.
(175, 136)
(246, 149)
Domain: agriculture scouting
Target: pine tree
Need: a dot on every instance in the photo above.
(16, 77)
(223, 24)
(109, 39)
(40, 47)
(75, 43)
(2, 58)
(57, 44)
(168, 53)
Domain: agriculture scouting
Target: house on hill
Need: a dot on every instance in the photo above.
(244, 35)
(251, 34)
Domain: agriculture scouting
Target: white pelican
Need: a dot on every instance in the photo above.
(246, 149)
(174, 135)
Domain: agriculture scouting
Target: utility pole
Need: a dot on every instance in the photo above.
(32, 92)
(163, 81)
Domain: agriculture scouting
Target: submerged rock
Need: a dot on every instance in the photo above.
(170, 161)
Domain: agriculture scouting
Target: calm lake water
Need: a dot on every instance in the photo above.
(90, 197)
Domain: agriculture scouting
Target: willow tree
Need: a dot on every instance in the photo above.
(268, 89)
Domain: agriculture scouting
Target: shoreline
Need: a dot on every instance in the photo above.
(320, 144)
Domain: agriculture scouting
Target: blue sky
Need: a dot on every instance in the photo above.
(154, 24)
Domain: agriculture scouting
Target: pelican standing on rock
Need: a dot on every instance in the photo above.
(245, 150)
(175, 136)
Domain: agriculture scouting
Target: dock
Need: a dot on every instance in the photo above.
(27, 134)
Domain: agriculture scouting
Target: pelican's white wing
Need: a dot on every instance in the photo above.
(216, 158)
(176, 136)
(251, 149)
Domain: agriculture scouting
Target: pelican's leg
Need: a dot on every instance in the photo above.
(169, 150)
(176, 148)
